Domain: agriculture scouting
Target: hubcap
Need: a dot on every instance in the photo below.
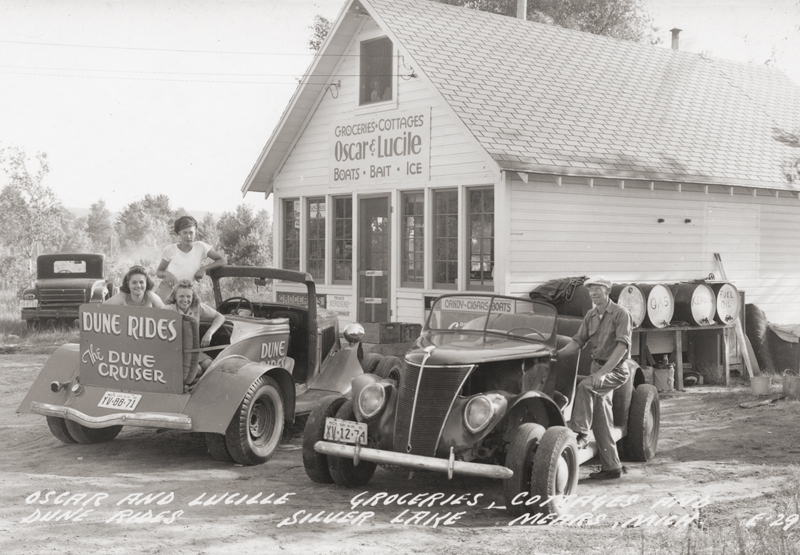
(562, 475)
(261, 421)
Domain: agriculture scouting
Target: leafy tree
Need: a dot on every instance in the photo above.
(319, 30)
(100, 228)
(75, 238)
(245, 237)
(791, 138)
(147, 222)
(31, 215)
(207, 230)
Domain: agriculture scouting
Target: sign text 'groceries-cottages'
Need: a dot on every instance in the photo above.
(381, 148)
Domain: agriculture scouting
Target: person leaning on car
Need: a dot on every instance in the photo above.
(608, 326)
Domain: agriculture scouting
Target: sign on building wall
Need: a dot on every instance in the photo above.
(340, 304)
(381, 148)
(299, 299)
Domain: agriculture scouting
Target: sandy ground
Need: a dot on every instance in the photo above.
(731, 463)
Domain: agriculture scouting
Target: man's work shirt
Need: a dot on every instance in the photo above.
(604, 333)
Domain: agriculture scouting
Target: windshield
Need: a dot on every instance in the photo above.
(502, 315)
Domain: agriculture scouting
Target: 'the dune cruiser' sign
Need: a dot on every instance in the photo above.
(130, 348)
(381, 148)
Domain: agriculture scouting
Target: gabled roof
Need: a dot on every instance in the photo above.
(544, 99)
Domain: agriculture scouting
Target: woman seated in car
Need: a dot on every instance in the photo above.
(136, 290)
(185, 300)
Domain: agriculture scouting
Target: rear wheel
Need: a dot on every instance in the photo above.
(389, 368)
(555, 469)
(82, 434)
(316, 464)
(370, 362)
(58, 426)
(218, 448)
(643, 424)
(519, 459)
(343, 471)
(255, 430)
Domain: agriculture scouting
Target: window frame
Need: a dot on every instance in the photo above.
(418, 254)
(450, 238)
(364, 89)
(314, 226)
(336, 239)
(287, 229)
(486, 285)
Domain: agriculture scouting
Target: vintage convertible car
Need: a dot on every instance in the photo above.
(138, 367)
(63, 283)
(481, 393)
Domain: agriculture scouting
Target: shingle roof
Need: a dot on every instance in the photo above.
(544, 99)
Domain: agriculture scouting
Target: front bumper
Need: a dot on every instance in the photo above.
(450, 466)
(63, 312)
(141, 419)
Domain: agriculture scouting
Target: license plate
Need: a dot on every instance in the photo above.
(32, 303)
(345, 431)
(119, 401)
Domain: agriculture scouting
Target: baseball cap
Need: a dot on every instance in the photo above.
(598, 280)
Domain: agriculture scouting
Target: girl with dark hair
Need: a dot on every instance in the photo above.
(136, 290)
(184, 299)
(184, 260)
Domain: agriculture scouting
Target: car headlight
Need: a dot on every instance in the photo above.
(371, 400)
(478, 412)
(29, 296)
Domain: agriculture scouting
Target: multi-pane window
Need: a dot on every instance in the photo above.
(376, 71)
(413, 236)
(291, 234)
(445, 238)
(481, 238)
(343, 240)
(316, 237)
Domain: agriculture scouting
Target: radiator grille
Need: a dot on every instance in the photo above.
(329, 337)
(437, 389)
(62, 296)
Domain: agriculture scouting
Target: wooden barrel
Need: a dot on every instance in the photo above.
(660, 305)
(695, 303)
(729, 303)
(631, 297)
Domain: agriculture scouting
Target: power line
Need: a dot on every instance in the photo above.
(295, 83)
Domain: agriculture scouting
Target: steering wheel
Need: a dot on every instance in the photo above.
(537, 332)
(235, 311)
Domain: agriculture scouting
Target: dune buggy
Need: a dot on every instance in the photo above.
(138, 367)
(481, 393)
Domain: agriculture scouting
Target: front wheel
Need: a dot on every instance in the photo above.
(519, 458)
(255, 430)
(555, 469)
(218, 448)
(58, 426)
(643, 424)
(82, 434)
(389, 369)
(316, 464)
(342, 469)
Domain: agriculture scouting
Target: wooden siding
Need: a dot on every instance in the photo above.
(455, 155)
(574, 229)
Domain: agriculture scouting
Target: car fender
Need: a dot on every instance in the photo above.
(531, 406)
(62, 366)
(338, 371)
(220, 391)
(380, 426)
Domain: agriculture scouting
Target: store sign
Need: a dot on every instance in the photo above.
(133, 349)
(381, 148)
(298, 299)
(340, 304)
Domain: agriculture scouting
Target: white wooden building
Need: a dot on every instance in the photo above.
(432, 148)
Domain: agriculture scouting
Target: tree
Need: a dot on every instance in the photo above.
(75, 238)
(207, 230)
(790, 138)
(319, 30)
(147, 222)
(31, 215)
(246, 238)
(99, 227)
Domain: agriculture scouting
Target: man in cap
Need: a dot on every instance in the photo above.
(608, 326)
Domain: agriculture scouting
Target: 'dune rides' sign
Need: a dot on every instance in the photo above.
(381, 148)
(129, 348)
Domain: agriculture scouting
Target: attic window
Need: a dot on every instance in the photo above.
(376, 71)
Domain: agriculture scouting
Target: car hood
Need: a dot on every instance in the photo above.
(468, 348)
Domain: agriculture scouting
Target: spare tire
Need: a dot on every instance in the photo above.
(756, 327)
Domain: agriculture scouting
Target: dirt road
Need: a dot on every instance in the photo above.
(726, 464)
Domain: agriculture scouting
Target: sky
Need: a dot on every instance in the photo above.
(135, 97)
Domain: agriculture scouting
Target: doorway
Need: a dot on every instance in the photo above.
(374, 258)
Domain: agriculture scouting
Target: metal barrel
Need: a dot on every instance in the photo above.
(629, 295)
(695, 303)
(660, 305)
(729, 302)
